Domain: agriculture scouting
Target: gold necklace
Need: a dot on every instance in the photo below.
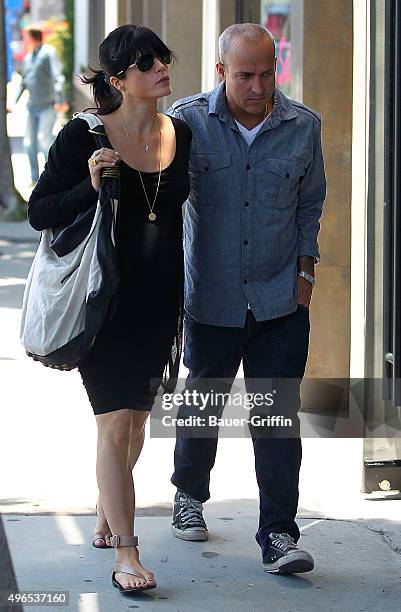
(152, 215)
(266, 110)
(147, 146)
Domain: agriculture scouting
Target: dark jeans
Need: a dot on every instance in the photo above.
(269, 349)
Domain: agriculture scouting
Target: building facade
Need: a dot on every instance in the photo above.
(331, 56)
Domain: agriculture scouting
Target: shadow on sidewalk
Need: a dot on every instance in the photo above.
(8, 581)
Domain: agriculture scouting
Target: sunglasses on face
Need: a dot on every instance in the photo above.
(144, 63)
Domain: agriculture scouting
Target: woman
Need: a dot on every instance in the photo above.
(131, 349)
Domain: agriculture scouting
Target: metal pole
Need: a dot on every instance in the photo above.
(397, 213)
(388, 355)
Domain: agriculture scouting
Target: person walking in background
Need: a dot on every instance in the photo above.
(42, 76)
(250, 242)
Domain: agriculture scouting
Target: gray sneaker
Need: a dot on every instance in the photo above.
(282, 556)
(188, 522)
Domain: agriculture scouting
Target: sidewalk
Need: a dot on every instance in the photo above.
(356, 569)
(18, 231)
(48, 491)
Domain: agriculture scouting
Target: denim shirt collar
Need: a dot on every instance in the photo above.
(283, 110)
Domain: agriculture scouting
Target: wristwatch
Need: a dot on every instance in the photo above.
(308, 277)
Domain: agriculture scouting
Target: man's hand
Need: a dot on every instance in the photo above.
(304, 287)
(304, 291)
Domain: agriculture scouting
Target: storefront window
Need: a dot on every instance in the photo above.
(276, 17)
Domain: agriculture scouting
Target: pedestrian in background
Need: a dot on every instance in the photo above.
(43, 77)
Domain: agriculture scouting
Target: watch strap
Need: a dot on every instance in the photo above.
(306, 276)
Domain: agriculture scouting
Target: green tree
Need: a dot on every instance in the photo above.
(62, 39)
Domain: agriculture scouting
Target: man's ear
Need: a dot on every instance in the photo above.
(221, 71)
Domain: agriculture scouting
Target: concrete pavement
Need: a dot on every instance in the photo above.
(48, 491)
(355, 569)
(18, 232)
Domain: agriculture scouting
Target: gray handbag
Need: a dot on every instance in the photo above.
(73, 277)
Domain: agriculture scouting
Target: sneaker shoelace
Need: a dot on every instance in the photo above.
(283, 541)
(190, 511)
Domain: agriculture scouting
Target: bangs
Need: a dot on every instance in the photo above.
(130, 42)
(125, 44)
(147, 44)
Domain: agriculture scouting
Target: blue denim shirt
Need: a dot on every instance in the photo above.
(252, 211)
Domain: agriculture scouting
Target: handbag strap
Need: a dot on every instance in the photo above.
(91, 119)
(96, 128)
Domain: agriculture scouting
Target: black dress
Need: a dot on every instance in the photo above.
(127, 360)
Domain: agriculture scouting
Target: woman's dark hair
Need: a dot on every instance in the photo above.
(119, 50)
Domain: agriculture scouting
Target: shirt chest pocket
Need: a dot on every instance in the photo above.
(282, 176)
(210, 176)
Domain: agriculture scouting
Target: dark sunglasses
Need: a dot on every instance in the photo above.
(144, 63)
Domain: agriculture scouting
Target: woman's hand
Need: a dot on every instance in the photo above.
(104, 158)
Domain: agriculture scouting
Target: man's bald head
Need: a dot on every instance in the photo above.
(247, 32)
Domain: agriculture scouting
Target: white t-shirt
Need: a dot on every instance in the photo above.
(250, 135)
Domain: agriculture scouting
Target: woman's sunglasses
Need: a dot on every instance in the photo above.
(144, 63)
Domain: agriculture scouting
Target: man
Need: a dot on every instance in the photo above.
(251, 226)
(42, 76)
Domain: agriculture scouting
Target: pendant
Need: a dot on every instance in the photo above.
(152, 216)
(146, 147)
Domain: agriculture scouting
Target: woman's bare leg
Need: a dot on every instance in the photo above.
(102, 526)
(120, 437)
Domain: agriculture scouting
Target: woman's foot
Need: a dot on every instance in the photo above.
(101, 533)
(130, 556)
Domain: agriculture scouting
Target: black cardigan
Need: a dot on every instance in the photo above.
(64, 188)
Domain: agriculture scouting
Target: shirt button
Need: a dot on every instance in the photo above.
(287, 175)
(248, 167)
(246, 203)
(206, 168)
(245, 281)
(245, 242)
